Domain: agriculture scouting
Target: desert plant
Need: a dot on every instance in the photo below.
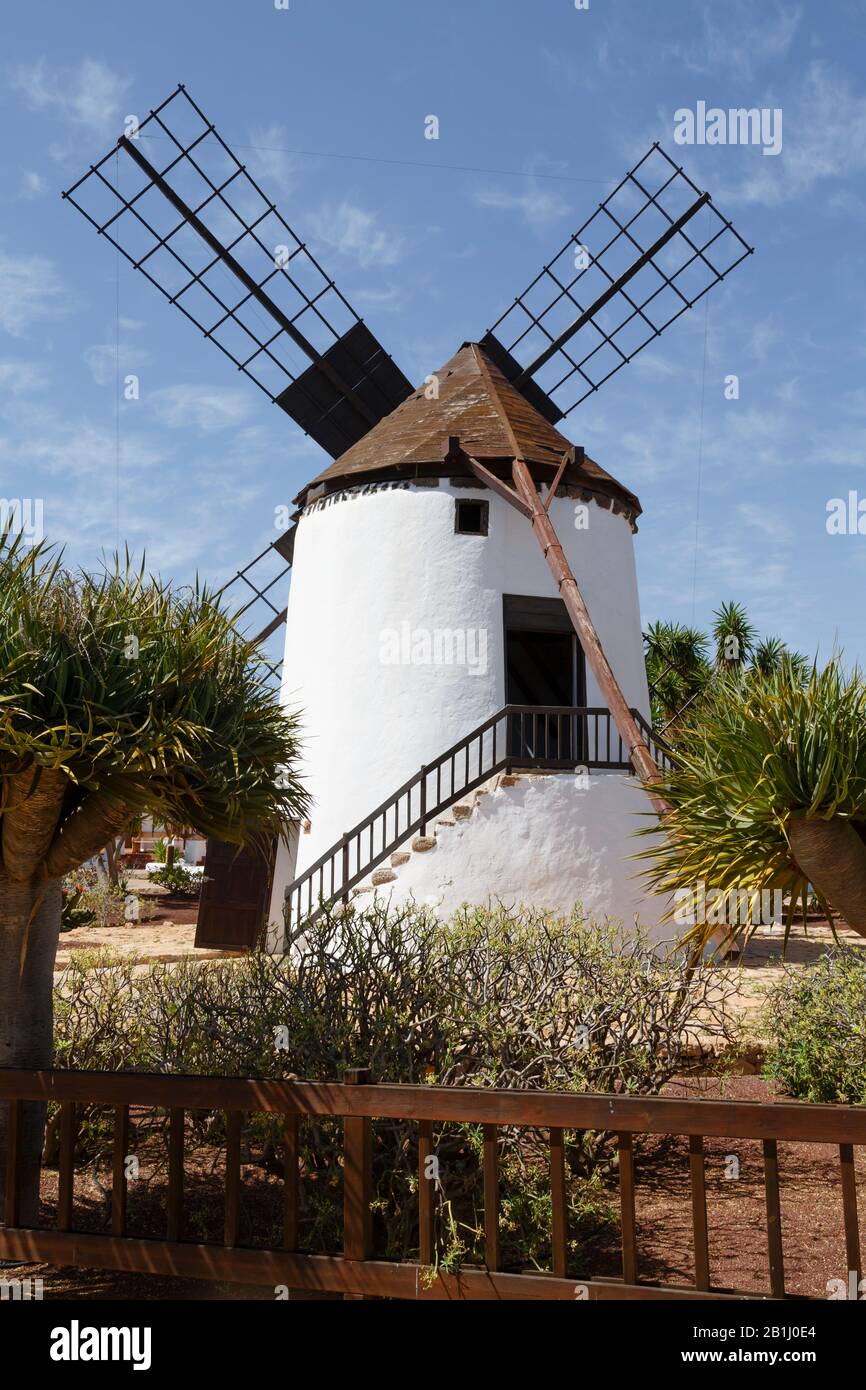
(74, 912)
(677, 669)
(770, 792)
(117, 696)
(178, 880)
(734, 636)
(816, 1026)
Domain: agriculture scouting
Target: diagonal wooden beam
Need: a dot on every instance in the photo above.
(457, 455)
(567, 458)
(524, 497)
(639, 754)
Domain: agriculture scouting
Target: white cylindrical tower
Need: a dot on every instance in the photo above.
(421, 604)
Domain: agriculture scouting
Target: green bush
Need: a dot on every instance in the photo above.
(178, 880)
(816, 1020)
(492, 998)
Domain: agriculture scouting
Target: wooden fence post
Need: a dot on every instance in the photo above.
(357, 1178)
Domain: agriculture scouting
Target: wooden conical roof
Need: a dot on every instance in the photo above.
(492, 420)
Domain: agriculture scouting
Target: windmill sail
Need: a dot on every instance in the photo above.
(176, 201)
(256, 595)
(648, 253)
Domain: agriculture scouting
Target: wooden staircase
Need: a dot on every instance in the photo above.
(518, 737)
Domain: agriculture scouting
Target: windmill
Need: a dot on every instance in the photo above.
(178, 204)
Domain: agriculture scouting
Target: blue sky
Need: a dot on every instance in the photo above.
(541, 109)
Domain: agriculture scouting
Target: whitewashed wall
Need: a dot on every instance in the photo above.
(546, 842)
(366, 563)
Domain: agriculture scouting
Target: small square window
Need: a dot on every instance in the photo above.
(470, 517)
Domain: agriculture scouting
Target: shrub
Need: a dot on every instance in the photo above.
(492, 998)
(75, 911)
(816, 1020)
(178, 880)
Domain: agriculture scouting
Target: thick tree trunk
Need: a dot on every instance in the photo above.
(833, 857)
(29, 928)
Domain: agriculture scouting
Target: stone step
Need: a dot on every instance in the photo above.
(381, 876)
(460, 811)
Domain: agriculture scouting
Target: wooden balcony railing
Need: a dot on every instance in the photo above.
(558, 737)
(354, 1271)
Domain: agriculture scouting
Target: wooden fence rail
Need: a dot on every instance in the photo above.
(354, 1273)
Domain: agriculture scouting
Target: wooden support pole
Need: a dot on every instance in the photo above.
(491, 1196)
(357, 1178)
(119, 1189)
(14, 1164)
(234, 1124)
(291, 1159)
(66, 1165)
(641, 758)
(426, 1189)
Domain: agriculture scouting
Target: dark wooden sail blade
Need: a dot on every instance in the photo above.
(649, 252)
(175, 200)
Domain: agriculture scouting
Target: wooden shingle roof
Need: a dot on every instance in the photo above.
(489, 416)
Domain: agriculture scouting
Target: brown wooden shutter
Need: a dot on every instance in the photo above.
(235, 896)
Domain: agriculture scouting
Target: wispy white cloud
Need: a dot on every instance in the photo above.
(766, 520)
(824, 138)
(389, 299)
(738, 42)
(101, 360)
(87, 96)
(269, 161)
(32, 185)
(205, 408)
(357, 234)
(765, 334)
(182, 509)
(30, 291)
(538, 207)
(20, 377)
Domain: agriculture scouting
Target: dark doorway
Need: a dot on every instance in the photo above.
(544, 665)
(540, 668)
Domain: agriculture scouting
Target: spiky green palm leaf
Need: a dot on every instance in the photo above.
(753, 754)
(141, 695)
(734, 636)
(677, 667)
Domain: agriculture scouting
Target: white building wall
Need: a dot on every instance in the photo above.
(369, 562)
(552, 841)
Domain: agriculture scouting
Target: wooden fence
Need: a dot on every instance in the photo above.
(353, 1272)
